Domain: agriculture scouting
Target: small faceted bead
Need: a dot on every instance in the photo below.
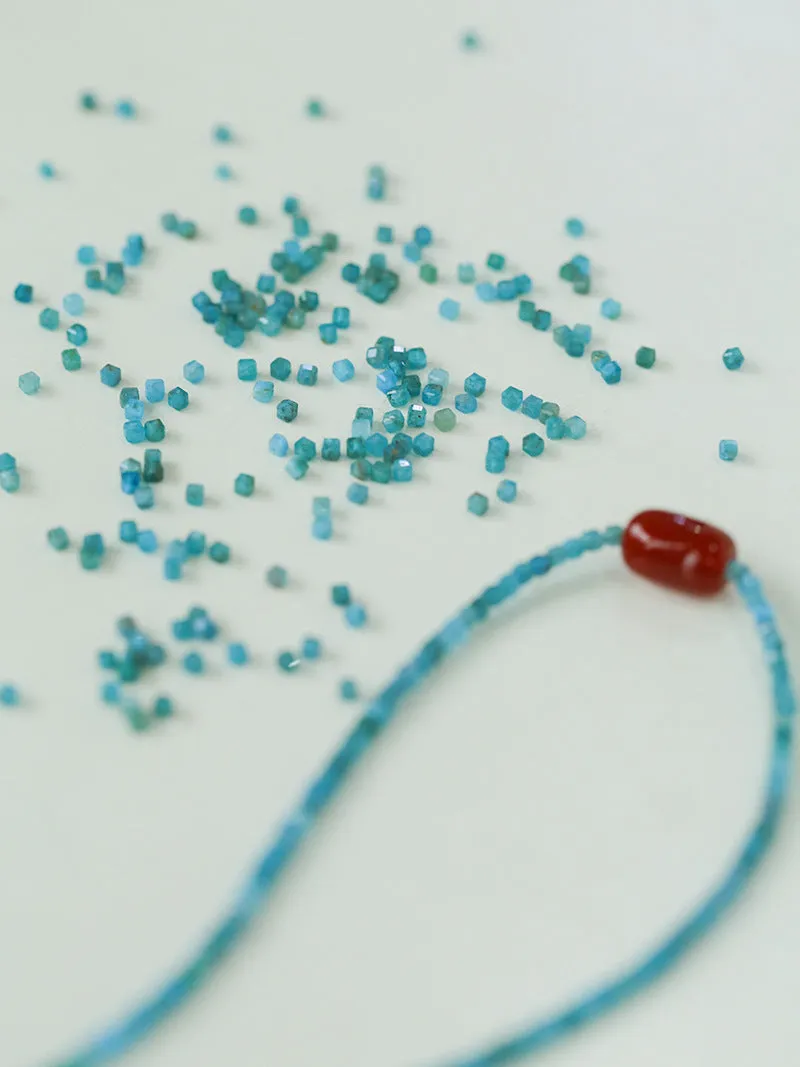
(278, 445)
(444, 419)
(328, 333)
(49, 318)
(307, 374)
(237, 654)
(58, 538)
(134, 407)
(384, 235)
(147, 541)
(280, 368)
(154, 430)
(343, 370)
(417, 414)
(679, 552)
(263, 391)
(77, 334)
(532, 444)
(193, 663)
(450, 309)
(475, 384)
(548, 409)
(424, 444)
(477, 503)
(542, 320)
(277, 577)
(305, 448)
(29, 382)
(466, 273)
(133, 430)
(432, 394)
(465, 403)
(506, 290)
(125, 109)
(494, 261)
(486, 291)
(195, 543)
(287, 410)
(526, 311)
(288, 661)
(219, 552)
(331, 449)
(507, 491)
(163, 708)
(532, 406)
(195, 494)
(246, 370)
(297, 468)
(511, 398)
(341, 318)
(144, 497)
(73, 304)
(355, 615)
(154, 390)
(356, 447)
(728, 450)
(393, 421)
(610, 309)
(244, 485)
(611, 372)
(499, 445)
(357, 493)
(23, 293)
(732, 358)
(574, 227)
(428, 273)
(351, 272)
(522, 283)
(402, 470)
(348, 690)
(495, 462)
(248, 215)
(178, 398)
(9, 695)
(71, 359)
(574, 427)
(554, 428)
(645, 357)
(93, 279)
(311, 648)
(340, 595)
(222, 133)
(194, 371)
(128, 532)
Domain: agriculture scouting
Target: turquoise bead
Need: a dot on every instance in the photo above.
(548, 409)
(29, 383)
(71, 359)
(328, 333)
(341, 318)
(154, 390)
(511, 398)
(144, 497)
(278, 445)
(424, 444)
(611, 309)
(574, 427)
(526, 311)
(574, 227)
(507, 491)
(219, 552)
(728, 450)
(417, 414)
(246, 370)
(384, 235)
(288, 661)
(343, 370)
(9, 481)
(532, 444)
(305, 448)
(287, 410)
(542, 320)
(402, 470)
(154, 430)
(554, 428)
(9, 695)
(297, 468)
(77, 334)
(465, 403)
(466, 273)
(73, 304)
(449, 309)
(494, 261)
(248, 215)
(486, 291)
(477, 503)
(331, 449)
(263, 391)
(23, 293)
(193, 663)
(195, 494)
(348, 690)
(357, 493)
(178, 398)
(194, 371)
(475, 384)
(732, 358)
(355, 615)
(128, 532)
(244, 485)
(133, 429)
(611, 372)
(340, 595)
(280, 368)
(49, 318)
(307, 374)
(58, 538)
(531, 406)
(277, 577)
(646, 357)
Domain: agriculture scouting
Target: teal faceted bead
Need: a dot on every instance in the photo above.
(280, 368)
(356, 447)
(144, 497)
(499, 445)
(495, 261)
(382, 470)
(194, 371)
(331, 449)
(340, 595)
(532, 444)
(348, 690)
(154, 430)
(424, 444)
(393, 421)
(195, 494)
(7, 462)
(278, 445)
(297, 468)
(248, 215)
(49, 318)
(507, 491)
(9, 695)
(466, 273)
(731, 357)
(475, 384)
(246, 370)
(574, 427)
(193, 663)
(542, 320)
(511, 398)
(288, 661)
(355, 615)
(277, 577)
(532, 406)
(611, 309)
(9, 480)
(58, 538)
(449, 309)
(178, 398)
(133, 430)
(574, 227)
(526, 311)
(361, 469)
(357, 493)
(77, 334)
(195, 543)
(307, 374)
(23, 293)
(417, 414)
(611, 372)
(128, 532)
(305, 448)
(322, 528)
(287, 410)
(646, 357)
(29, 383)
(477, 503)
(465, 404)
(73, 304)
(554, 428)
(244, 485)
(561, 335)
(343, 370)
(728, 450)
(219, 552)
(548, 409)
(402, 470)
(110, 375)
(71, 359)
(263, 391)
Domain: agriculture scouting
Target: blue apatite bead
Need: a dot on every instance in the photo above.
(466, 273)
(154, 390)
(611, 372)
(574, 427)
(526, 310)
(328, 333)
(278, 445)
(582, 333)
(7, 462)
(507, 491)
(348, 690)
(93, 279)
(305, 448)
(341, 318)
(73, 304)
(450, 309)
(361, 427)
(393, 421)
(287, 410)
(307, 374)
(522, 283)
(195, 543)
(506, 290)
(399, 397)
(728, 450)
(195, 494)
(402, 470)
(23, 293)
(71, 359)
(562, 335)
(377, 357)
(86, 255)
(9, 481)
(49, 318)
(438, 376)
(495, 462)
(266, 283)
(331, 449)
(178, 398)
(542, 320)
(201, 300)
(343, 370)
(499, 445)
(402, 444)
(477, 504)
(554, 428)
(417, 415)
(311, 648)
(147, 541)
(611, 309)
(248, 215)
(128, 532)
(423, 236)
(733, 358)
(244, 485)
(466, 404)
(532, 406)
(144, 497)
(134, 408)
(532, 444)
(475, 384)
(387, 380)
(77, 334)
(486, 291)
(355, 615)
(133, 429)
(574, 348)
(424, 444)
(263, 391)
(322, 528)
(280, 368)
(511, 398)
(297, 468)
(356, 447)
(412, 252)
(574, 227)
(194, 371)
(582, 263)
(432, 394)
(246, 370)
(351, 272)
(384, 235)
(416, 358)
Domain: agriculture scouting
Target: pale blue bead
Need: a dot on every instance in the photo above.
(343, 370)
(297, 468)
(412, 252)
(402, 470)
(582, 333)
(511, 398)
(466, 404)
(73, 304)
(486, 291)
(355, 615)
(733, 358)
(278, 445)
(263, 391)
(574, 427)
(728, 450)
(438, 376)
(466, 273)
(424, 444)
(194, 371)
(554, 428)
(154, 390)
(475, 384)
(449, 309)
(361, 427)
(507, 491)
(611, 309)
(134, 409)
(611, 372)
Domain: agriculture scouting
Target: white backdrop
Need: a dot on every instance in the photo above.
(552, 800)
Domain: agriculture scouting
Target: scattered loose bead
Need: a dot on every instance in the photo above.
(542, 320)
(402, 470)
(611, 372)
(450, 309)
(611, 309)
(71, 359)
(287, 410)
(341, 318)
(417, 414)
(58, 538)
(29, 382)
(331, 449)
(424, 444)
(554, 428)
(522, 283)
(511, 398)
(305, 448)
(219, 552)
(133, 430)
(178, 398)
(486, 291)
(88, 101)
(432, 394)
(731, 357)
(574, 227)
(246, 370)
(195, 494)
(147, 541)
(478, 503)
(278, 445)
(163, 708)
(144, 497)
(506, 290)
(428, 273)
(507, 491)
(49, 318)
(237, 654)
(280, 368)
(495, 261)
(23, 293)
(73, 304)
(328, 333)
(465, 404)
(412, 252)
(532, 444)
(128, 532)
(248, 215)
(311, 648)
(645, 357)
(307, 374)
(154, 430)
(194, 371)
(287, 661)
(315, 108)
(9, 481)
(728, 450)
(93, 279)
(392, 422)
(351, 272)
(343, 370)
(244, 485)
(444, 419)
(357, 493)
(193, 663)
(297, 468)
(355, 615)
(263, 391)
(9, 695)
(125, 109)
(340, 595)
(277, 577)
(348, 690)
(574, 427)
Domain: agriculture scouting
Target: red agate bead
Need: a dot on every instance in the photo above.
(677, 551)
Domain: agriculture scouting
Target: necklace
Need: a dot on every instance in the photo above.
(674, 551)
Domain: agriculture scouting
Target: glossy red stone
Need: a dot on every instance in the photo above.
(678, 552)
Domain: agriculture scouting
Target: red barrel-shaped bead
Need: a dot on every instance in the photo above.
(678, 552)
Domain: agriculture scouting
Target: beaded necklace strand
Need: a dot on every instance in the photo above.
(670, 549)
